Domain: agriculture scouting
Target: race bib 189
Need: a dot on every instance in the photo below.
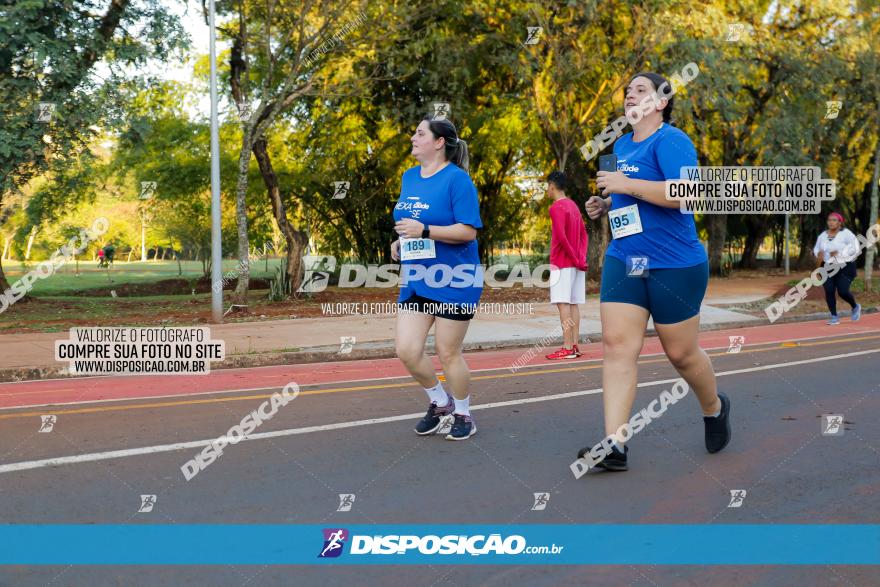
(417, 248)
(625, 221)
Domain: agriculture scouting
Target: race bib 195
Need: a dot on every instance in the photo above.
(625, 221)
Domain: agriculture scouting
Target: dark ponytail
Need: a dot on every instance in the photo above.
(666, 92)
(456, 149)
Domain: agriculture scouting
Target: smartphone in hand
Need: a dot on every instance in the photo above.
(608, 162)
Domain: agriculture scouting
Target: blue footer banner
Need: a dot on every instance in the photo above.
(351, 544)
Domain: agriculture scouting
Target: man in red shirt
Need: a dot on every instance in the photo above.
(568, 256)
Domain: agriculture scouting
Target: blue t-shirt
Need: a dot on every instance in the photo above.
(668, 237)
(447, 197)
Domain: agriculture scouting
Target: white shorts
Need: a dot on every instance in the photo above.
(568, 286)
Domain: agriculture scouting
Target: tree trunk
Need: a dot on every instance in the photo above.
(757, 230)
(296, 239)
(177, 256)
(241, 288)
(806, 240)
(4, 284)
(599, 241)
(717, 225)
(872, 215)
(27, 253)
(778, 245)
(202, 261)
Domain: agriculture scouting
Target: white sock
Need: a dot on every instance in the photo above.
(718, 413)
(619, 446)
(437, 394)
(463, 406)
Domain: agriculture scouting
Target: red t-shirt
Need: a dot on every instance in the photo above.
(568, 236)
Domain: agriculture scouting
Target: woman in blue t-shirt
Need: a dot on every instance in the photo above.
(655, 267)
(436, 218)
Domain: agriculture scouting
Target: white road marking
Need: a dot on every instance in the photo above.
(130, 452)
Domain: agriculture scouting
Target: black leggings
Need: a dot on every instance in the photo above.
(840, 282)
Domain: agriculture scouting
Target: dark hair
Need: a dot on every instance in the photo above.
(456, 149)
(659, 82)
(558, 179)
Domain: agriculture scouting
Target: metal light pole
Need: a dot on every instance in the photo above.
(216, 253)
(787, 256)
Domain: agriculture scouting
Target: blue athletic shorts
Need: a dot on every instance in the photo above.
(670, 295)
(422, 305)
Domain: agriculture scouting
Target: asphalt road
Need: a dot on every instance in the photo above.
(355, 437)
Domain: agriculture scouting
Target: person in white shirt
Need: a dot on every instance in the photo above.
(839, 246)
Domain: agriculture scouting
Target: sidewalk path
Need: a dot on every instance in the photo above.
(31, 355)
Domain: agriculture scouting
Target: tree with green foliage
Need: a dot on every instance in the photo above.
(279, 55)
(53, 98)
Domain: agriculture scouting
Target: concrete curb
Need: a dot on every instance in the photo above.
(383, 350)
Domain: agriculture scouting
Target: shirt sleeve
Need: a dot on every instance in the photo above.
(558, 217)
(396, 214)
(851, 246)
(818, 248)
(465, 204)
(674, 151)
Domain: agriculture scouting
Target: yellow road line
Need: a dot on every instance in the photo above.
(537, 371)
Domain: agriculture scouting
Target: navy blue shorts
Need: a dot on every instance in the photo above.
(422, 305)
(670, 295)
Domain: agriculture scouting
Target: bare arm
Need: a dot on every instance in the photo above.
(651, 191)
(817, 251)
(454, 234)
(615, 182)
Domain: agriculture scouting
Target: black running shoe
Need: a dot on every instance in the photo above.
(435, 417)
(463, 427)
(614, 461)
(718, 427)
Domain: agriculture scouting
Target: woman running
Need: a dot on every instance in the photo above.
(437, 217)
(839, 246)
(654, 267)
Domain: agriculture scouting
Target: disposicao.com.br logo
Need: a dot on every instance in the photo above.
(318, 270)
(430, 544)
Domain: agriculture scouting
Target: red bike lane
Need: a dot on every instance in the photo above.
(114, 388)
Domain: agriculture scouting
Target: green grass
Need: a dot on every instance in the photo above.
(66, 281)
(56, 305)
(59, 313)
(859, 284)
